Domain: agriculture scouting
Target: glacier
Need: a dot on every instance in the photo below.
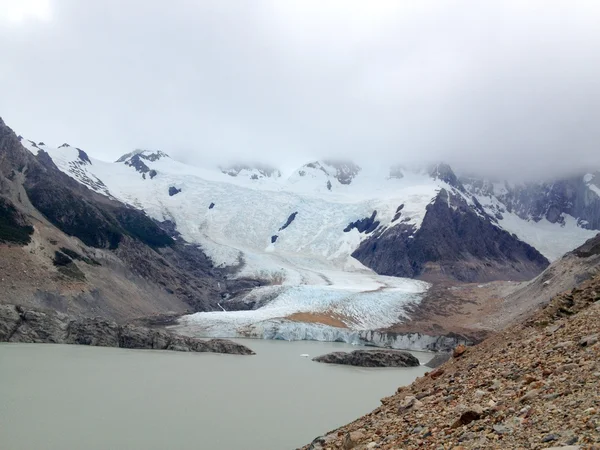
(234, 215)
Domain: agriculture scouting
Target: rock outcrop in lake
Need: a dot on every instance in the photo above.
(18, 324)
(371, 358)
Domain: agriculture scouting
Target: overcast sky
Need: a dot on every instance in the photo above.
(508, 87)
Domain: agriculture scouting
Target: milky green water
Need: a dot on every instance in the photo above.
(68, 397)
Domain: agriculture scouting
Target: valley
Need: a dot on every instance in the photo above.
(332, 251)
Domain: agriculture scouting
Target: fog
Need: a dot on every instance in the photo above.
(503, 88)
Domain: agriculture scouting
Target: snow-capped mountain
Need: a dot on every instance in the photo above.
(242, 211)
(253, 172)
(333, 237)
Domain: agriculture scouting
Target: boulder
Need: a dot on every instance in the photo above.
(438, 360)
(97, 332)
(9, 321)
(38, 327)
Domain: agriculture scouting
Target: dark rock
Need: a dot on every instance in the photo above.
(366, 225)
(173, 191)
(225, 346)
(468, 416)
(96, 332)
(211, 206)
(137, 163)
(590, 248)
(76, 256)
(289, 220)
(274, 239)
(550, 200)
(444, 172)
(14, 226)
(398, 212)
(438, 360)
(83, 157)
(371, 358)
(23, 325)
(454, 241)
(550, 437)
(60, 259)
(132, 336)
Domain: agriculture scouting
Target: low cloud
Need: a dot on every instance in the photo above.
(504, 88)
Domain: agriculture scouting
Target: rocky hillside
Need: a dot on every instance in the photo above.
(67, 248)
(454, 241)
(533, 385)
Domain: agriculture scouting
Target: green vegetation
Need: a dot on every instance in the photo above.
(67, 267)
(13, 228)
(74, 255)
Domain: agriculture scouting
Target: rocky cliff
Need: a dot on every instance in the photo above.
(576, 196)
(455, 241)
(18, 324)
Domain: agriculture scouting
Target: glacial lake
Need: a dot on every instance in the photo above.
(67, 397)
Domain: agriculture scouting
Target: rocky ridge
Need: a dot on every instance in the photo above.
(18, 324)
(531, 386)
(455, 242)
(577, 196)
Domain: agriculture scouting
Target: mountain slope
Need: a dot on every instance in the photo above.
(88, 254)
(337, 210)
(533, 385)
(455, 242)
(316, 246)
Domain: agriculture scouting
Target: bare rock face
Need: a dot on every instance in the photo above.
(371, 358)
(454, 242)
(22, 325)
(97, 332)
(590, 248)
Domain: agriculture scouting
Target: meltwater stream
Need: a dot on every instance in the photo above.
(73, 397)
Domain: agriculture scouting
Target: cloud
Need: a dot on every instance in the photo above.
(508, 88)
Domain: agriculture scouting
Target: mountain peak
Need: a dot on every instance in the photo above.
(253, 171)
(342, 170)
(442, 171)
(148, 155)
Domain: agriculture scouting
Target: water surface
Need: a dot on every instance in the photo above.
(67, 397)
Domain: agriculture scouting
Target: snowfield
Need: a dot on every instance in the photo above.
(290, 232)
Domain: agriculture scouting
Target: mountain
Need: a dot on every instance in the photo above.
(80, 251)
(332, 211)
(327, 241)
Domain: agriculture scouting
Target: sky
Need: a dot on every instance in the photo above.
(503, 88)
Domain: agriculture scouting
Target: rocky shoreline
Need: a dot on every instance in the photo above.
(371, 358)
(19, 324)
(531, 386)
